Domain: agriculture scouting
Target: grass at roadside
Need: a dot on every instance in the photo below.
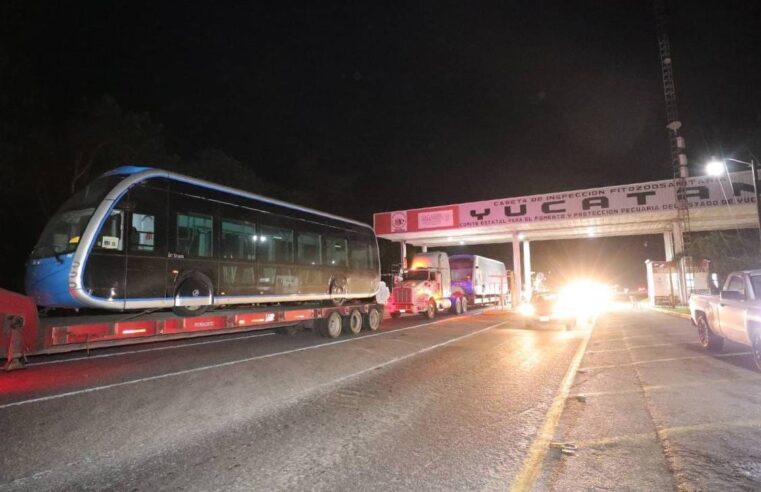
(681, 311)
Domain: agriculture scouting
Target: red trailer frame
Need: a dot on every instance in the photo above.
(24, 333)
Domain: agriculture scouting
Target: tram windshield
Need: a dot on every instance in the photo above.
(64, 230)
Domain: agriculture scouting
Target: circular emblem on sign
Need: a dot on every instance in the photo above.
(399, 221)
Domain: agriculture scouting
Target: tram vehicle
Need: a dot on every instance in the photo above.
(141, 238)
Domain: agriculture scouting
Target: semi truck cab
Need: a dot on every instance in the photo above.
(426, 288)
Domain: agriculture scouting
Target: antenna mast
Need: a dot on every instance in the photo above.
(679, 168)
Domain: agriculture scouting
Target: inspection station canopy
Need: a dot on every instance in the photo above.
(715, 203)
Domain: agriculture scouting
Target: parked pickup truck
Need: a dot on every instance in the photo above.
(734, 314)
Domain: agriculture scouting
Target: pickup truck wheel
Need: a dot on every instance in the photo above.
(708, 339)
(755, 339)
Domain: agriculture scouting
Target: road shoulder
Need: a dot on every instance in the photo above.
(650, 410)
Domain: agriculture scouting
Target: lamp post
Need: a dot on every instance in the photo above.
(717, 167)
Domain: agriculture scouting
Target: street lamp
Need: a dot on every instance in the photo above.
(717, 167)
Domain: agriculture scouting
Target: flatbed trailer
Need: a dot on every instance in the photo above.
(25, 333)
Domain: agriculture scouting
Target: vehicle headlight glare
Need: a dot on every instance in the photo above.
(526, 309)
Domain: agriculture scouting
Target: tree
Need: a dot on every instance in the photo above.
(218, 167)
(104, 136)
(728, 251)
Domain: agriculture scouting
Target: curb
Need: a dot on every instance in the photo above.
(670, 313)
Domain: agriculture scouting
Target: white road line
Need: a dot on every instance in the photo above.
(153, 349)
(250, 359)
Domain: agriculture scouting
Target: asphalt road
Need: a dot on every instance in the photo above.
(453, 404)
(471, 402)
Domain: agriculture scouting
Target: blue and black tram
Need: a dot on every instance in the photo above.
(143, 238)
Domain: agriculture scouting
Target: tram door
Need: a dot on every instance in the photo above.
(192, 245)
(146, 233)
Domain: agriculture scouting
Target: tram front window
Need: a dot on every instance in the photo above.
(63, 232)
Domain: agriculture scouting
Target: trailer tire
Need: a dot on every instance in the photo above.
(708, 339)
(430, 311)
(456, 306)
(332, 326)
(463, 305)
(193, 284)
(353, 322)
(373, 319)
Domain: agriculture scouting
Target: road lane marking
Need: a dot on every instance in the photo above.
(247, 359)
(660, 335)
(153, 349)
(671, 431)
(672, 386)
(529, 472)
(633, 347)
(671, 359)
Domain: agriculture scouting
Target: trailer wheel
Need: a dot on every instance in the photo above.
(456, 307)
(430, 311)
(464, 305)
(332, 325)
(373, 319)
(353, 322)
(708, 339)
(194, 284)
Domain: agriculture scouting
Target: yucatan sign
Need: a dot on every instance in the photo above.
(650, 197)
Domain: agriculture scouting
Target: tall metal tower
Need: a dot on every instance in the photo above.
(673, 124)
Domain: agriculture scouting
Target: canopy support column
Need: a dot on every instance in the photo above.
(527, 268)
(403, 252)
(678, 242)
(515, 295)
(668, 242)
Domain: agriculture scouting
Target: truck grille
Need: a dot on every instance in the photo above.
(403, 295)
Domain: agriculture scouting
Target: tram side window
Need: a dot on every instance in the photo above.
(335, 251)
(275, 244)
(359, 254)
(112, 235)
(238, 240)
(194, 235)
(308, 248)
(143, 233)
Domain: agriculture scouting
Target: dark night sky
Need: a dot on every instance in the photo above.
(410, 104)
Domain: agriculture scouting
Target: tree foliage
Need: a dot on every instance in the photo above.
(728, 251)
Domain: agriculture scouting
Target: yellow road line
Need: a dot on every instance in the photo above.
(671, 359)
(538, 451)
(670, 431)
